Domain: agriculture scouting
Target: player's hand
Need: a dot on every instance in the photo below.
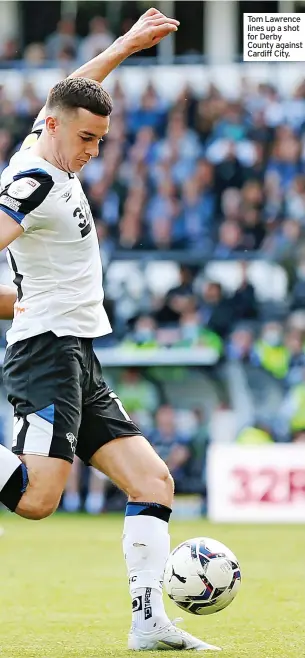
(150, 29)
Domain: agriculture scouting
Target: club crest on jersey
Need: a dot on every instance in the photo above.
(23, 188)
(67, 195)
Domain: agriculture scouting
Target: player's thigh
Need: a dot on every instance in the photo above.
(104, 419)
(133, 465)
(47, 481)
(43, 379)
(109, 440)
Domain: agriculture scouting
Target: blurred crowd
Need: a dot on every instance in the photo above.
(201, 174)
(64, 45)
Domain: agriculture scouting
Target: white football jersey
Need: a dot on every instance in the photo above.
(56, 261)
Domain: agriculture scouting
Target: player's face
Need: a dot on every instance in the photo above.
(77, 138)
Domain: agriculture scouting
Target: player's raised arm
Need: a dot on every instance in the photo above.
(149, 30)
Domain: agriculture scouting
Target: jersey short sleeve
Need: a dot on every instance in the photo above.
(25, 193)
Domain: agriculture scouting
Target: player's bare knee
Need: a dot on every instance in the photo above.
(46, 482)
(47, 508)
(156, 486)
(36, 507)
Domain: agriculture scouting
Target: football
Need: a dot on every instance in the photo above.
(202, 576)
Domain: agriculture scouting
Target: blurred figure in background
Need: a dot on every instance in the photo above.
(172, 446)
(143, 334)
(215, 309)
(96, 484)
(137, 392)
(240, 344)
(99, 38)
(270, 351)
(64, 37)
(244, 300)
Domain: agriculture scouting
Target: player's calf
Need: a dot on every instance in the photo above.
(135, 467)
(32, 487)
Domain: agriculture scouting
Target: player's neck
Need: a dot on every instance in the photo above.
(42, 149)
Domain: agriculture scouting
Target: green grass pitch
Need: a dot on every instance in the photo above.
(64, 594)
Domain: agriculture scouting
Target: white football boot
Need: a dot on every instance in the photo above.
(167, 637)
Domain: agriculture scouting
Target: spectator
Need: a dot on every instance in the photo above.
(258, 434)
(230, 239)
(29, 104)
(144, 333)
(215, 309)
(192, 334)
(98, 39)
(230, 205)
(9, 50)
(294, 343)
(270, 351)
(252, 195)
(285, 158)
(180, 142)
(298, 291)
(253, 229)
(151, 112)
(161, 234)
(130, 232)
(64, 37)
(185, 287)
(172, 446)
(293, 408)
(180, 299)
(137, 392)
(192, 228)
(34, 54)
(163, 202)
(231, 126)
(243, 300)
(281, 244)
(240, 345)
(295, 200)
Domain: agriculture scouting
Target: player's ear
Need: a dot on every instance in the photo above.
(51, 124)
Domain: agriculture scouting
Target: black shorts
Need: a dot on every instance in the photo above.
(62, 404)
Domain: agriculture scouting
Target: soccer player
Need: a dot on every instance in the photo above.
(62, 406)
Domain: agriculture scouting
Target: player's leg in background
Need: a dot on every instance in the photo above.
(95, 498)
(132, 464)
(72, 499)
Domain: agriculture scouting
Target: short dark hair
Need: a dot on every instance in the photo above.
(72, 93)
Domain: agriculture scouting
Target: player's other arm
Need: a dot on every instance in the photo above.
(18, 202)
(149, 30)
(7, 300)
(9, 231)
